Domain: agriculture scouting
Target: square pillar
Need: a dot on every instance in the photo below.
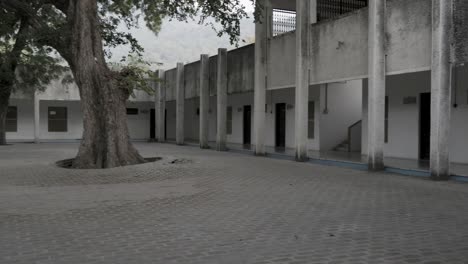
(303, 23)
(204, 100)
(37, 116)
(263, 31)
(221, 100)
(441, 73)
(160, 97)
(180, 103)
(376, 87)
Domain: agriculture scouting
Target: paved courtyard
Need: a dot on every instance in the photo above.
(202, 206)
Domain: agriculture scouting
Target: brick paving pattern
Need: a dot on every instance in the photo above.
(221, 208)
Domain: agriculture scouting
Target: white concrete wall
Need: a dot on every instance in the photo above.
(25, 130)
(344, 109)
(403, 128)
(459, 128)
(171, 120)
(74, 119)
(237, 102)
(139, 125)
(192, 122)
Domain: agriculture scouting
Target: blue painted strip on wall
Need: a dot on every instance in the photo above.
(342, 164)
(408, 172)
(459, 178)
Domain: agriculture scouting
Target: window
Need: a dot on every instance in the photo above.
(132, 111)
(58, 119)
(311, 120)
(12, 119)
(229, 120)
(386, 119)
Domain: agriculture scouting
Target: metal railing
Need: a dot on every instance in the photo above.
(283, 21)
(354, 136)
(327, 9)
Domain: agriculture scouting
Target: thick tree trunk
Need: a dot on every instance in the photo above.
(6, 85)
(4, 98)
(106, 141)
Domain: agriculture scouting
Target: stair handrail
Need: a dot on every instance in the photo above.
(350, 128)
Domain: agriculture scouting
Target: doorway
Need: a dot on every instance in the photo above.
(165, 124)
(153, 124)
(280, 127)
(247, 124)
(425, 126)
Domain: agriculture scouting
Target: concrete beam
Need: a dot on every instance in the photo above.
(180, 102)
(221, 100)
(204, 100)
(376, 102)
(441, 72)
(262, 34)
(302, 77)
(160, 90)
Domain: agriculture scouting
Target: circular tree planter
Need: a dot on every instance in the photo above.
(67, 163)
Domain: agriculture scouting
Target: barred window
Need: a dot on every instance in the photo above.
(58, 119)
(132, 111)
(12, 119)
(311, 120)
(229, 120)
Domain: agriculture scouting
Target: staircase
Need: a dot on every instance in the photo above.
(343, 146)
(353, 142)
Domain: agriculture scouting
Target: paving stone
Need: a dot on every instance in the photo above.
(221, 208)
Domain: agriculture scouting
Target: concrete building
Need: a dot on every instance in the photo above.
(379, 82)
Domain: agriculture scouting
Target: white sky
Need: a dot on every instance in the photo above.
(248, 4)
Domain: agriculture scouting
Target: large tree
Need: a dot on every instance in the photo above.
(24, 66)
(79, 29)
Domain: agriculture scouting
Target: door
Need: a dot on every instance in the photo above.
(425, 126)
(247, 124)
(280, 127)
(165, 124)
(152, 124)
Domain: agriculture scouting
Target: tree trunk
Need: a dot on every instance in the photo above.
(4, 98)
(6, 85)
(106, 141)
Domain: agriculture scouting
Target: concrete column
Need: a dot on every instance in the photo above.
(263, 31)
(441, 88)
(313, 11)
(377, 72)
(37, 115)
(204, 100)
(302, 77)
(180, 102)
(221, 100)
(160, 107)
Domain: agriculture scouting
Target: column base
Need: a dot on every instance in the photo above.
(204, 147)
(221, 147)
(440, 176)
(375, 166)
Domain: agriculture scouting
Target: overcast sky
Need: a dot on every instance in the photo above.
(183, 42)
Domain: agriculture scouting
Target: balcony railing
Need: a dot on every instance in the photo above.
(327, 9)
(285, 21)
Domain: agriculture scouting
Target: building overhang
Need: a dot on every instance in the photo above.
(289, 5)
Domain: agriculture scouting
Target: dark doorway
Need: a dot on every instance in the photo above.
(153, 124)
(280, 126)
(165, 124)
(247, 124)
(425, 126)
